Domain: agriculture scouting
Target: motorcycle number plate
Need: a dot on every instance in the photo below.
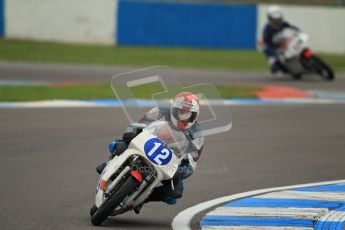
(157, 152)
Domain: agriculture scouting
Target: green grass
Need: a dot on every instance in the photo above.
(240, 60)
(99, 91)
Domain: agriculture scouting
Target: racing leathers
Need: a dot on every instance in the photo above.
(166, 192)
(271, 48)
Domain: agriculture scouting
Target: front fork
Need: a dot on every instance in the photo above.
(145, 179)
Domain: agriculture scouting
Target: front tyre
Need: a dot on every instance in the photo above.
(114, 200)
(322, 68)
(93, 210)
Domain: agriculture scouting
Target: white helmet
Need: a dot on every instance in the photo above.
(275, 16)
(184, 110)
(274, 12)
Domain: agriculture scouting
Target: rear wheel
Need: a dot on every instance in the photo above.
(114, 200)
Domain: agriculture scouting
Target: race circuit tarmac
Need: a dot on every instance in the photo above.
(48, 156)
(48, 159)
(95, 73)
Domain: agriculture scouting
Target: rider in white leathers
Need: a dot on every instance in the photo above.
(183, 113)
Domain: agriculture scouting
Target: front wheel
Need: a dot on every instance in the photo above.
(319, 66)
(93, 210)
(114, 200)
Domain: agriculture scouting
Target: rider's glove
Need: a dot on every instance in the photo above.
(132, 131)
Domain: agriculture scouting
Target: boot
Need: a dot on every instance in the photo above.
(138, 208)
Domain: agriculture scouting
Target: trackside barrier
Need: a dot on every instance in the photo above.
(186, 24)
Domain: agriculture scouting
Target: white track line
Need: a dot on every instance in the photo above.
(297, 213)
(148, 103)
(326, 196)
(183, 219)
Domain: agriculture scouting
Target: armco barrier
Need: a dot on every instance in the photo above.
(183, 24)
(2, 18)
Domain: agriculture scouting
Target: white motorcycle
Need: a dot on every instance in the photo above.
(128, 179)
(295, 54)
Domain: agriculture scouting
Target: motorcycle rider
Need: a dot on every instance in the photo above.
(276, 24)
(183, 114)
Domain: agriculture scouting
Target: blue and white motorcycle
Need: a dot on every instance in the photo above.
(128, 179)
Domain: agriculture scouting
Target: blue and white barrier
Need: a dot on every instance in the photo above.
(160, 23)
(2, 18)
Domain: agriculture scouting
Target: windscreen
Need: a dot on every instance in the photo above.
(173, 138)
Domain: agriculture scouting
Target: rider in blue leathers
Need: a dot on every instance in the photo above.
(183, 114)
(275, 25)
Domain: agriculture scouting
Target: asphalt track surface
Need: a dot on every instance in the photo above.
(90, 73)
(48, 156)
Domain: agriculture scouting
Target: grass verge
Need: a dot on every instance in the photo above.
(240, 60)
(100, 91)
